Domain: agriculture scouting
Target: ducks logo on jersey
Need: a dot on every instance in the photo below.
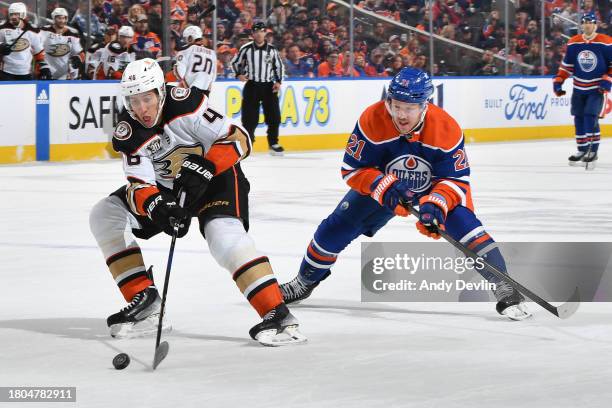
(58, 50)
(21, 44)
(413, 169)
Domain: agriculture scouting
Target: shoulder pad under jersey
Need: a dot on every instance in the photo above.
(181, 101)
(129, 135)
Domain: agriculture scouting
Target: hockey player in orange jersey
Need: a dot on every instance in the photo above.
(404, 149)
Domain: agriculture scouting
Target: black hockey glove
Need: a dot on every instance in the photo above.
(193, 178)
(76, 63)
(45, 74)
(5, 49)
(163, 210)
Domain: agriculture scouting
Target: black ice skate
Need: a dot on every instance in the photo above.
(510, 302)
(590, 160)
(278, 328)
(295, 290)
(276, 150)
(139, 318)
(576, 159)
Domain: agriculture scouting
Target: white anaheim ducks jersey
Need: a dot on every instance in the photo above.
(197, 66)
(58, 50)
(19, 61)
(188, 126)
(112, 60)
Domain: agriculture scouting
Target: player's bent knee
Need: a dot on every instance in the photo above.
(108, 218)
(229, 243)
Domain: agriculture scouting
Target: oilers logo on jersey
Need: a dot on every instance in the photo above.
(413, 169)
(587, 60)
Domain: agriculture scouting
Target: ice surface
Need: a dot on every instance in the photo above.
(57, 293)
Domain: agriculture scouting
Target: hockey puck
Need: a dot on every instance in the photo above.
(121, 361)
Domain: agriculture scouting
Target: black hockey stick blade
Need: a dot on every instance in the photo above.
(569, 308)
(208, 11)
(564, 311)
(160, 353)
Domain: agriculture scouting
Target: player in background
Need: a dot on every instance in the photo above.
(172, 141)
(112, 59)
(17, 54)
(404, 149)
(63, 51)
(195, 65)
(589, 60)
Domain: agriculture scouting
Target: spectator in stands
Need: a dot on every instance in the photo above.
(278, 19)
(227, 10)
(420, 62)
(347, 69)
(296, 66)
(332, 13)
(376, 36)
(80, 20)
(487, 66)
(146, 43)
(375, 67)
(395, 65)
(154, 15)
(116, 15)
(133, 13)
(331, 67)
(533, 57)
(413, 11)
(224, 58)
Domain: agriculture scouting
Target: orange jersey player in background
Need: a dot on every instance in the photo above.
(404, 149)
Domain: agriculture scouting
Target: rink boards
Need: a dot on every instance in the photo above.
(64, 120)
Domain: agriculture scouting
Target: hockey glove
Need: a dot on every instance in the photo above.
(390, 192)
(5, 49)
(557, 86)
(432, 215)
(605, 85)
(45, 74)
(193, 178)
(163, 210)
(75, 62)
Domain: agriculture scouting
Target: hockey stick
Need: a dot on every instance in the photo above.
(17, 39)
(563, 311)
(207, 12)
(161, 350)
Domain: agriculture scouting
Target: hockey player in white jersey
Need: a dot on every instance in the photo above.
(19, 43)
(111, 60)
(172, 141)
(63, 51)
(195, 65)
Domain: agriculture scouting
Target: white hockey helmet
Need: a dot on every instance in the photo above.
(192, 33)
(126, 31)
(142, 76)
(18, 8)
(59, 11)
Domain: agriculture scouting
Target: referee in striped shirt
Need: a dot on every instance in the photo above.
(260, 65)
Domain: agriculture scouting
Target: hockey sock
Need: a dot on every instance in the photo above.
(316, 264)
(129, 272)
(486, 247)
(257, 283)
(592, 134)
(580, 133)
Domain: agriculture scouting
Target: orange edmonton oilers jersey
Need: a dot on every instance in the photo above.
(431, 159)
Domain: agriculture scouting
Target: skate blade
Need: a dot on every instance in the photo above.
(277, 154)
(289, 336)
(590, 166)
(575, 163)
(517, 312)
(147, 327)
